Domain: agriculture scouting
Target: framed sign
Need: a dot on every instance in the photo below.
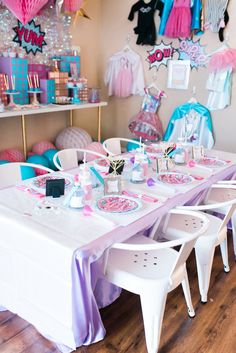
(178, 74)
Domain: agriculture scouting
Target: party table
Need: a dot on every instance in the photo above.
(51, 256)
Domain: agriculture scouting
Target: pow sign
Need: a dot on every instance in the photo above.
(160, 55)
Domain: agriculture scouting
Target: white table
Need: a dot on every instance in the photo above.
(49, 263)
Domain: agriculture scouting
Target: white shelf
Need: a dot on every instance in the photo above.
(50, 108)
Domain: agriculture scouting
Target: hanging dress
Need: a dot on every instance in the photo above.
(146, 123)
(179, 21)
(214, 13)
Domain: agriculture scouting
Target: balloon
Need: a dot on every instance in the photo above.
(49, 154)
(132, 146)
(42, 146)
(12, 155)
(39, 160)
(3, 161)
(27, 173)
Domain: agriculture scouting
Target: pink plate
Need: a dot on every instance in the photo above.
(153, 150)
(175, 178)
(41, 181)
(211, 162)
(118, 204)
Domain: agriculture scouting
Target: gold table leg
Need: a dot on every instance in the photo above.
(24, 139)
(99, 123)
(71, 118)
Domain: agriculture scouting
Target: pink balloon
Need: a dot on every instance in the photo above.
(24, 10)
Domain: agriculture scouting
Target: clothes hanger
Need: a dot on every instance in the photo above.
(153, 84)
(193, 99)
(127, 47)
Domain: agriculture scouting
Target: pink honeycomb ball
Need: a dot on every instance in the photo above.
(95, 147)
(42, 146)
(73, 137)
(12, 155)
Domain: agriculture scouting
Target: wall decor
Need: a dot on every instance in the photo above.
(178, 74)
(193, 51)
(30, 37)
(160, 55)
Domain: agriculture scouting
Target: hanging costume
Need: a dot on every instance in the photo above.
(146, 123)
(214, 14)
(191, 122)
(124, 74)
(219, 82)
(179, 21)
(145, 29)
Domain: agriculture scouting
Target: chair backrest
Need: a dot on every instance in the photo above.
(187, 241)
(68, 158)
(113, 145)
(229, 206)
(11, 173)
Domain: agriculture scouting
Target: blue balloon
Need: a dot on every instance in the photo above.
(49, 154)
(27, 173)
(3, 161)
(38, 160)
(132, 146)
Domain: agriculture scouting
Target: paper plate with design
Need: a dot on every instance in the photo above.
(175, 178)
(154, 150)
(118, 204)
(40, 182)
(211, 162)
(101, 164)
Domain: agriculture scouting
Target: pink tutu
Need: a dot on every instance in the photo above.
(179, 21)
(223, 59)
(124, 80)
(146, 125)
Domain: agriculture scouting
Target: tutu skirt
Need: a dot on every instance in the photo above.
(222, 60)
(146, 125)
(179, 23)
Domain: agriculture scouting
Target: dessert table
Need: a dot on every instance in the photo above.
(51, 256)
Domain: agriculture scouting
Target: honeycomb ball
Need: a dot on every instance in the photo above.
(95, 147)
(36, 159)
(73, 137)
(42, 146)
(12, 155)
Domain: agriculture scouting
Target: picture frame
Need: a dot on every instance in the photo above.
(178, 74)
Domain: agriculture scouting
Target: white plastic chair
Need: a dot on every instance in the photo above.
(68, 158)
(113, 145)
(10, 173)
(143, 266)
(215, 235)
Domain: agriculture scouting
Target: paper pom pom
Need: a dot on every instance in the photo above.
(12, 155)
(42, 146)
(73, 137)
(95, 147)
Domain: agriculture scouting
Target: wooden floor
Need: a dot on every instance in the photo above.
(213, 330)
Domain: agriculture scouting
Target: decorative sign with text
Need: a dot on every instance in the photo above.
(30, 37)
(160, 55)
(193, 51)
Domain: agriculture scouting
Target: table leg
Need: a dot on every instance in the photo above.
(24, 139)
(99, 123)
(71, 118)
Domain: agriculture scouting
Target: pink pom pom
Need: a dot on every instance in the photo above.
(12, 155)
(42, 146)
(95, 147)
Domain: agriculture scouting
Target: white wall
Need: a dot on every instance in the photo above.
(115, 28)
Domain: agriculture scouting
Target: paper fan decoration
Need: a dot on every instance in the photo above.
(24, 10)
(72, 5)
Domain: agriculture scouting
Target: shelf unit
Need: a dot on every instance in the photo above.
(51, 108)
